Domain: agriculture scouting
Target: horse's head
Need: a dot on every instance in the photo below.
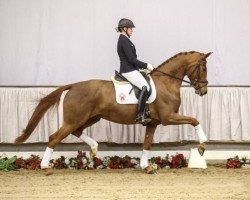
(197, 73)
(192, 64)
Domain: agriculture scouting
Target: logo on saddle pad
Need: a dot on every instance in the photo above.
(124, 95)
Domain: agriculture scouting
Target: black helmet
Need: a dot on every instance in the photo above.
(125, 23)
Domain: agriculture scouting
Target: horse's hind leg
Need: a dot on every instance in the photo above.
(54, 139)
(90, 141)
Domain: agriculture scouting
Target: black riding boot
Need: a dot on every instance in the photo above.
(141, 118)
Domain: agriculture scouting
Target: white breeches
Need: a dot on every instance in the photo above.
(136, 79)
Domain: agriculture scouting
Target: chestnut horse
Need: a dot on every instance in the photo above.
(87, 102)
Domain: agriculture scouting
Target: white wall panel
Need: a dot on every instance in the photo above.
(54, 42)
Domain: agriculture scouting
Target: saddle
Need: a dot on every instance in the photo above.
(120, 78)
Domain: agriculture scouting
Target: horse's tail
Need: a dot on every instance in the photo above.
(44, 104)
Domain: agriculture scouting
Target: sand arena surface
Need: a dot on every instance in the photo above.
(216, 183)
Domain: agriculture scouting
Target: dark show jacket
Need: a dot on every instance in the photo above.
(127, 54)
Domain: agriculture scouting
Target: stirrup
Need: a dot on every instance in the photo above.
(142, 120)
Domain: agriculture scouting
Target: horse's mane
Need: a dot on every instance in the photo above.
(176, 55)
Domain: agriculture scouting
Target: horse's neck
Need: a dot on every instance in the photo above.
(174, 68)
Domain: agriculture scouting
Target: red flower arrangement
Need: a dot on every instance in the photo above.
(81, 161)
(160, 162)
(178, 161)
(127, 162)
(33, 162)
(59, 163)
(97, 162)
(235, 162)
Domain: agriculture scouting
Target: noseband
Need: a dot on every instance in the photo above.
(196, 70)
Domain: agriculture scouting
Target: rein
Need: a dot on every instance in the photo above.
(197, 75)
(172, 76)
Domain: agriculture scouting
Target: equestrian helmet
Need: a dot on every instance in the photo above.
(126, 23)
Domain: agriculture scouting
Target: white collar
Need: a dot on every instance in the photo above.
(125, 35)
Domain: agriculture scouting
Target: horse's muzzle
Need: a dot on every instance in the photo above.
(201, 92)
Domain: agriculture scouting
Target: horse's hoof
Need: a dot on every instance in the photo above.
(47, 171)
(150, 170)
(93, 152)
(201, 148)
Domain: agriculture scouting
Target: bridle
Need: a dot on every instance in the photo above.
(196, 71)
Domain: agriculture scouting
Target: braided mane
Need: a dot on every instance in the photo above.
(175, 56)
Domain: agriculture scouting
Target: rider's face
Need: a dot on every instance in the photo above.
(130, 31)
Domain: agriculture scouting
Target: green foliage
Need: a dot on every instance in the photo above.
(8, 164)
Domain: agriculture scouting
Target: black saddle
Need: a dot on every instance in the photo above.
(120, 77)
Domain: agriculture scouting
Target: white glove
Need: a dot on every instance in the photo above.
(150, 67)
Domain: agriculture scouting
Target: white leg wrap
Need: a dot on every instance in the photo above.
(92, 143)
(46, 158)
(201, 134)
(144, 159)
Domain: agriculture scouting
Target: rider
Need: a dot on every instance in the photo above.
(130, 65)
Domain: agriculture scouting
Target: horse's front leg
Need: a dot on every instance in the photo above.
(176, 119)
(150, 130)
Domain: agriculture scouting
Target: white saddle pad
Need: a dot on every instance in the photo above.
(122, 90)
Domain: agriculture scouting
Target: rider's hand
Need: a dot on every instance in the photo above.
(150, 67)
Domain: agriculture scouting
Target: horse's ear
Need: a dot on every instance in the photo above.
(208, 54)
